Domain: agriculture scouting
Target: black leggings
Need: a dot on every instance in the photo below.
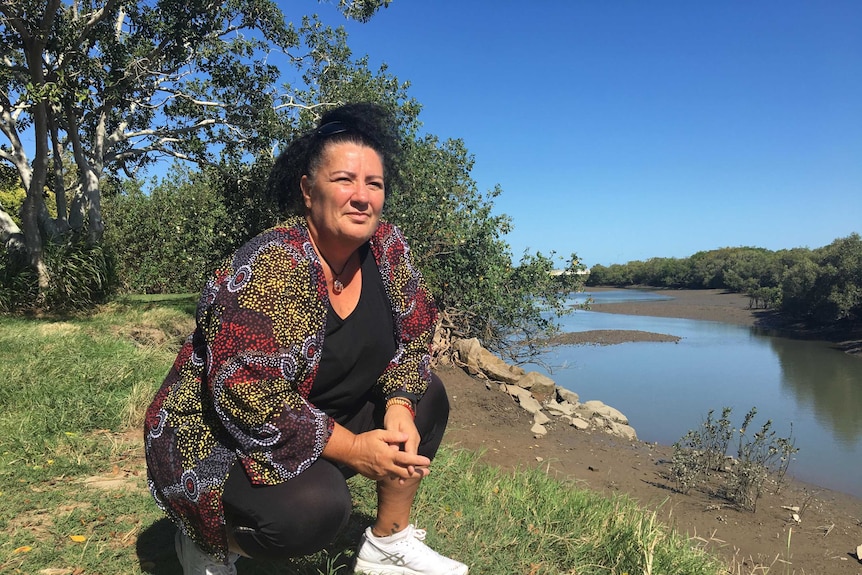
(301, 516)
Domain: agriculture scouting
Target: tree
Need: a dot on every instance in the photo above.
(121, 83)
(838, 289)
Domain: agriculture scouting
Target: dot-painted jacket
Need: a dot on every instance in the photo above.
(239, 386)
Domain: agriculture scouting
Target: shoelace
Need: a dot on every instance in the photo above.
(419, 534)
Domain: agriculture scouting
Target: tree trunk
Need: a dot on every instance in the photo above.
(96, 226)
(61, 225)
(33, 239)
(11, 235)
(34, 202)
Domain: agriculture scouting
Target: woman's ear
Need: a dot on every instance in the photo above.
(305, 186)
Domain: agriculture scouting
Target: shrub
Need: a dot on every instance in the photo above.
(169, 238)
(81, 277)
(18, 283)
(701, 452)
(702, 455)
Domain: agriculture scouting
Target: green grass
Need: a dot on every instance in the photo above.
(73, 496)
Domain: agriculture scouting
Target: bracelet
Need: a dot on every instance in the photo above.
(403, 402)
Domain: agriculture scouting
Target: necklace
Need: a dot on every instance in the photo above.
(337, 285)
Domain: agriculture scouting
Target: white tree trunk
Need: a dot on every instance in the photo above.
(10, 234)
(94, 206)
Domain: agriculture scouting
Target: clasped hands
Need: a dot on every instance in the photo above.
(388, 453)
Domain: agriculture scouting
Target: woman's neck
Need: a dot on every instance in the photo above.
(336, 256)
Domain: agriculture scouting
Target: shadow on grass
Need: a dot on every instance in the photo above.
(185, 302)
(156, 555)
(155, 549)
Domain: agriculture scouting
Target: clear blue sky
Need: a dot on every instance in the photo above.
(625, 130)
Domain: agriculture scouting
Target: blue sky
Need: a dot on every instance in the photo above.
(625, 130)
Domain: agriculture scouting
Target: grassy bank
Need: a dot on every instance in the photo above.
(74, 497)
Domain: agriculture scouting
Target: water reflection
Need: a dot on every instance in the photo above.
(826, 381)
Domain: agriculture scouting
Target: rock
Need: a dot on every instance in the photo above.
(559, 409)
(589, 415)
(477, 358)
(859, 553)
(606, 411)
(552, 407)
(517, 392)
(566, 395)
(530, 389)
(570, 408)
(579, 423)
(628, 431)
(538, 384)
(622, 430)
(466, 348)
(530, 404)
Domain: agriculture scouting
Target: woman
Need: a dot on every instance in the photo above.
(309, 363)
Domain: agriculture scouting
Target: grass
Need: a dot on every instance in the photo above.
(73, 496)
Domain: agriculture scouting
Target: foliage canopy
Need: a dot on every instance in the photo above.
(823, 285)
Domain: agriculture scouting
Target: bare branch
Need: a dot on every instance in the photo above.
(118, 25)
(168, 133)
(75, 139)
(183, 96)
(97, 17)
(151, 149)
(292, 103)
(17, 156)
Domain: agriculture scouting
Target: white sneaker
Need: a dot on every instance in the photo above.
(403, 554)
(196, 562)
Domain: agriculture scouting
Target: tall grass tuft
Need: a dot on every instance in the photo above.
(81, 276)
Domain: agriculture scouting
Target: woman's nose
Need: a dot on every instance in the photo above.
(361, 195)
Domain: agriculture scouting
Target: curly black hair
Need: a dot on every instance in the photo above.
(363, 123)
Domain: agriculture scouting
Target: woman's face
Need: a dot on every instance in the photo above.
(344, 198)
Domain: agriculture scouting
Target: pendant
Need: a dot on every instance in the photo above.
(337, 286)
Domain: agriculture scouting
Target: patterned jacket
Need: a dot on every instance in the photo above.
(239, 386)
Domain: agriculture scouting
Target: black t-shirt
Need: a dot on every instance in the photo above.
(356, 349)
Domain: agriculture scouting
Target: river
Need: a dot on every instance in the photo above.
(807, 389)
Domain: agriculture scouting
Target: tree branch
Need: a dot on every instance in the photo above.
(178, 95)
(155, 148)
(165, 134)
(97, 17)
(48, 18)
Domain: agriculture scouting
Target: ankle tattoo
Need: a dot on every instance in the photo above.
(378, 533)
